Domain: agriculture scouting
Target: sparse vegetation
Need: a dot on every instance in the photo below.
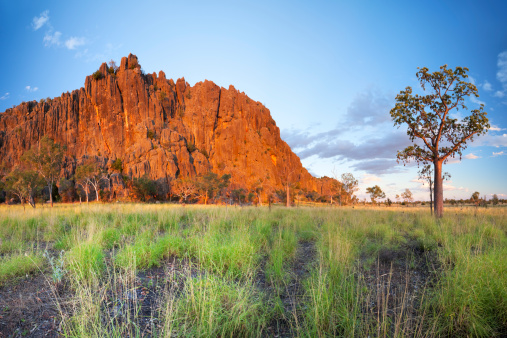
(97, 75)
(201, 271)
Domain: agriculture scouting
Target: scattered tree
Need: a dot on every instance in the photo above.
(476, 198)
(494, 200)
(209, 184)
(428, 121)
(350, 185)
(375, 193)
(46, 159)
(143, 188)
(24, 183)
(90, 174)
(407, 196)
(185, 188)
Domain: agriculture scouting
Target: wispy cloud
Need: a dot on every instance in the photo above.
(471, 156)
(52, 39)
(5, 96)
(39, 21)
(31, 89)
(495, 128)
(500, 153)
(477, 101)
(487, 86)
(501, 73)
(74, 42)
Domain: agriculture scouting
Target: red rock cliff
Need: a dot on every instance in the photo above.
(157, 128)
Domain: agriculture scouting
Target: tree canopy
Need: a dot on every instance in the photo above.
(436, 133)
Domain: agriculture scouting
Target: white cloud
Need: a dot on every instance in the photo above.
(74, 42)
(501, 74)
(370, 178)
(487, 86)
(38, 22)
(471, 79)
(31, 89)
(477, 101)
(499, 94)
(52, 39)
(495, 128)
(500, 153)
(5, 96)
(471, 156)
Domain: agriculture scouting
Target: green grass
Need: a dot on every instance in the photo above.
(238, 272)
(19, 265)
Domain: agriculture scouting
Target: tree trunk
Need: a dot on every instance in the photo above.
(51, 194)
(206, 198)
(438, 190)
(97, 194)
(431, 196)
(288, 196)
(259, 198)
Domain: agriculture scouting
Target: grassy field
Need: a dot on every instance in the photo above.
(132, 270)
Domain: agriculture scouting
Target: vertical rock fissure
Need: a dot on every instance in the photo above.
(218, 110)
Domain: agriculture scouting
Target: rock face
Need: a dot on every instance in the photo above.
(158, 128)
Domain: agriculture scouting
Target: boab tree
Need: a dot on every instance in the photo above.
(429, 121)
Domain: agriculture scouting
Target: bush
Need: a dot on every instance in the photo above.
(117, 165)
(97, 75)
(162, 95)
(191, 147)
(144, 188)
(204, 152)
(188, 95)
(151, 134)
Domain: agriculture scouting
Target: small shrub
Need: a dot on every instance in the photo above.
(151, 134)
(161, 96)
(117, 165)
(57, 270)
(134, 64)
(97, 75)
(191, 147)
(204, 152)
(188, 95)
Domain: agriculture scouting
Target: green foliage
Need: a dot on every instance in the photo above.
(204, 152)
(57, 266)
(117, 165)
(19, 265)
(46, 159)
(191, 147)
(97, 75)
(375, 193)
(144, 188)
(134, 64)
(146, 252)
(150, 134)
(85, 262)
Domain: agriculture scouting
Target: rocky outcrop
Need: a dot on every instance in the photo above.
(158, 128)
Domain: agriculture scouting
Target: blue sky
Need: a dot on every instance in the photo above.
(327, 70)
